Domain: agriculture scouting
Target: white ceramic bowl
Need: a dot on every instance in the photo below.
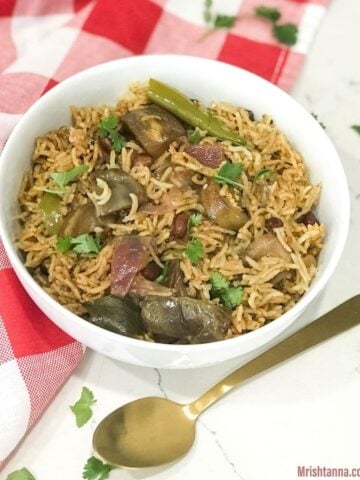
(207, 80)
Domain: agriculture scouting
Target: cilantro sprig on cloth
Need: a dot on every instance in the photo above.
(219, 20)
(269, 13)
(284, 33)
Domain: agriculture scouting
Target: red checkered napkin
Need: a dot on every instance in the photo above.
(41, 43)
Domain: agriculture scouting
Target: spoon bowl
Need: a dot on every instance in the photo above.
(147, 432)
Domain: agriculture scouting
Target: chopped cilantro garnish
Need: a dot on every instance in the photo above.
(228, 295)
(194, 251)
(229, 173)
(108, 128)
(95, 469)
(194, 220)
(207, 11)
(219, 20)
(82, 408)
(22, 474)
(263, 174)
(286, 33)
(356, 128)
(63, 244)
(84, 243)
(63, 178)
(269, 13)
(106, 124)
(218, 282)
(224, 21)
(195, 136)
(162, 278)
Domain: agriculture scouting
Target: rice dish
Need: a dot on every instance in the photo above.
(158, 225)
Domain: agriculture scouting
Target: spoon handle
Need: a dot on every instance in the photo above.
(338, 320)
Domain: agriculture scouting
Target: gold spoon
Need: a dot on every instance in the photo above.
(153, 431)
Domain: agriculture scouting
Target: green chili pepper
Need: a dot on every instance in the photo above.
(50, 205)
(182, 107)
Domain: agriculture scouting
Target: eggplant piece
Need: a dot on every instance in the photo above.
(220, 210)
(121, 185)
(119, 315)
(154, 128)
(80, 221)
(105, 147)
(175, 278)
(267, 246)
(185, 319)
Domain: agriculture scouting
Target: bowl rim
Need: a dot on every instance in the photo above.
(285, 319)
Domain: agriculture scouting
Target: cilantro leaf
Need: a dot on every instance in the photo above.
(109, 123)
(162, 278)
(22, 474)
(218, 282)
(82, 408)
(195, 136)
(232, 297)
(229, 173)
(118, 141)
(194, 220)
(84, 243)
(108, 128)
(263, 174)
(224, 21)
(95, 469)
(194, 251)
(207, 11)
(286, 34)
(63, 178)
(269, 13)
(356, 128)
(63, 244)
(220, 20)
(317, 119)
(228, 295)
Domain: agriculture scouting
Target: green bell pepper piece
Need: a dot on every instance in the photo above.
(182, 107)
(50, 205)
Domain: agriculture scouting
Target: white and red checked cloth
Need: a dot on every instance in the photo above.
(44, 41)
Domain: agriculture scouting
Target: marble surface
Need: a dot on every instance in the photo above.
(305, 412)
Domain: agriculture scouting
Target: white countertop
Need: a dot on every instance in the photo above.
(304, 413)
